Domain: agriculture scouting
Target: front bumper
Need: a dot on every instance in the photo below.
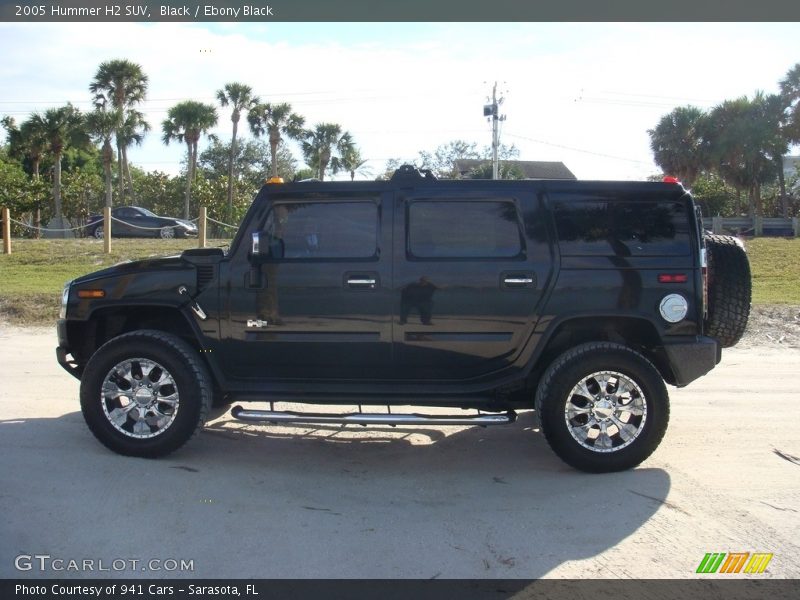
(690, 360)
(63, 352)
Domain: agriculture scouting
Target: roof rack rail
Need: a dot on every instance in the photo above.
(412, 172)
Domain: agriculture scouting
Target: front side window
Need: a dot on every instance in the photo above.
(463, 229)
(322, 230)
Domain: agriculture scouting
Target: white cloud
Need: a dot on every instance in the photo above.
(595, 87)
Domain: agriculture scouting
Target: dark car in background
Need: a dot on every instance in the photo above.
(134, 221)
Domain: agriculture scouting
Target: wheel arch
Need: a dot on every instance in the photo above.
(107, 323)
(638, 333)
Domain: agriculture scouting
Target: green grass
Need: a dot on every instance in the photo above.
(775, 265)
(31, 278)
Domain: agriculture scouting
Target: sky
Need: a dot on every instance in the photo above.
(581, 93)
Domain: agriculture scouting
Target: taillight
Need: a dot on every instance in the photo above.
(672, 278)
(704, 271)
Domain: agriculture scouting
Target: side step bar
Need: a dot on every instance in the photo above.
(274, 416)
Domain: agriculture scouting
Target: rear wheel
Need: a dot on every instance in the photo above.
(99, 232)
(602, 407)
(145, 393)
(729, 289)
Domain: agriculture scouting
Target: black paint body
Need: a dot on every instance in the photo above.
(575, 261)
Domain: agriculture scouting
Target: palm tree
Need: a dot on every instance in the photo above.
(275, 120)
(676, 143)
(131, 130)
(740, 139)
(28, 142)
(790, 93)
(240, 97)
(186, 122)
(352, 162)
(102, 125)
(62, 127)
(324, 143)
(122, 84)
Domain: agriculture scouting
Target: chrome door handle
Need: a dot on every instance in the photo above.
(362, 282)
(518, 280)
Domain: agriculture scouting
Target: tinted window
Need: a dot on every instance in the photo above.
(454, 229)
(622, 228)
(323, 230)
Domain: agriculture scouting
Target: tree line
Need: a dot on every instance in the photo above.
(735, 150)
(82, 151)
(65, 163)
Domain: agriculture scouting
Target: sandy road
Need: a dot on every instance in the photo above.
(246, 501)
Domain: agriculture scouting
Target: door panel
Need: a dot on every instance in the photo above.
(468, 276)
(321, 307)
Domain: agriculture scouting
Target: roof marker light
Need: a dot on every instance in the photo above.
(671, 179)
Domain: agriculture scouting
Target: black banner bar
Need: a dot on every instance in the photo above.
(475, 589)
(399, 10)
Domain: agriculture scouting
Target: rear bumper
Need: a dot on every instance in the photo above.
(690, 360)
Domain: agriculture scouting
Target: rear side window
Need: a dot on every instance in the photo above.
(622, 228)
(463, 229)
(323, 230)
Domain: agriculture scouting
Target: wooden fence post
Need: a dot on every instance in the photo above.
(716, 225)
(795, 227)
(6, 231)
(107, 229)
(201, 227)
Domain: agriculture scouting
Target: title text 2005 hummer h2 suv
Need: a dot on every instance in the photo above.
(578, 299)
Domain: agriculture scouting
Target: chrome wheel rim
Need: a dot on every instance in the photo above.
(139, 398)
(167, 233)
(606, 411)
(99, 233)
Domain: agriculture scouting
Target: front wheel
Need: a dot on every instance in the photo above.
(99, 232)
(166, 233)
(602, 407)
(145, 393)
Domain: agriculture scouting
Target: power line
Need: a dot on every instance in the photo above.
(633, 160)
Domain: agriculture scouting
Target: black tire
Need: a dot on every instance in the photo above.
(98, 232)
(729, 290)
(191, 385)
(556, 389)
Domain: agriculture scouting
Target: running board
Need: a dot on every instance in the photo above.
(274, 416)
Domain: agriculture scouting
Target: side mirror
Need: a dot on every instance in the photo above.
(258, 248)
(263, 246)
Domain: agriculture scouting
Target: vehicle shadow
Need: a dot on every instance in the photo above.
(318, 502)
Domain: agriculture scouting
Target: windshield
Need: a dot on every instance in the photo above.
(147, 213)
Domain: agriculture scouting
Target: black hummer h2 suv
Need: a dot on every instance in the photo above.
(576, 299)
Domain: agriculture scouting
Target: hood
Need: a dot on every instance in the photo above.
(137, 266)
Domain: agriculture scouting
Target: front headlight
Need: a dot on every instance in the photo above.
(64, 299)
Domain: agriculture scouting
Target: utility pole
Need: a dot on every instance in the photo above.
(492, 111)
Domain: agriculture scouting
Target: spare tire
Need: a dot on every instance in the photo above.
(729, 289)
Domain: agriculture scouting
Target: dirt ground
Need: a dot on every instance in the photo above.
(773, 326)
(269, 501)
